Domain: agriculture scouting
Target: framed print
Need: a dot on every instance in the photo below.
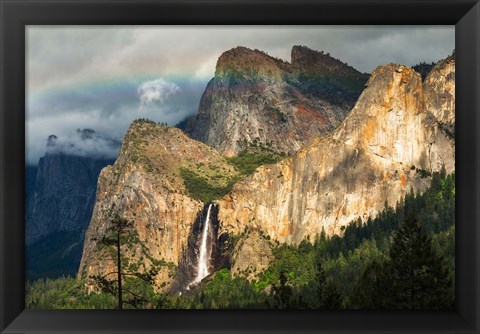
(239, 166)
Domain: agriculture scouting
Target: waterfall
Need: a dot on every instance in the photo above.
(202, 267)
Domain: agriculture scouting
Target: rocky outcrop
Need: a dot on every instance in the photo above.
(146, 185)
(252, 255)
(255, 99)
(391, 139)
(439, 88)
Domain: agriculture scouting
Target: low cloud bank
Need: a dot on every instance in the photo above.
(84, 143)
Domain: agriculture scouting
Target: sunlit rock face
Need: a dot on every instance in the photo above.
(375, 155)
(145, 185)
(257, 99)
(439, 88)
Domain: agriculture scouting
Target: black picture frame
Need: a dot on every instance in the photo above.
(16, 14)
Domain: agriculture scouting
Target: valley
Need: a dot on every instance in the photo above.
(293, 186)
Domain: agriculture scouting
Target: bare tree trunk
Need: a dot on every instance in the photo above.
(119, 273)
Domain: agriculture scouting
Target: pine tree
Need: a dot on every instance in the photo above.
(119, 234)
(370, 290)
(332, 298)
(414, 276)
(416, 273)
(325, 291)
(282, 293)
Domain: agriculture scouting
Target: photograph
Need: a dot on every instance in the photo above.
(300, 167)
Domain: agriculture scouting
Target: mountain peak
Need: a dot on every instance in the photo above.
(256, 99)
(385, 119)
(388, 78)
(303, 56)
(397, 68)
(306, 59)
(244, 62)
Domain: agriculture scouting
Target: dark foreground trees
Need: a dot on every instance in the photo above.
(414, 276)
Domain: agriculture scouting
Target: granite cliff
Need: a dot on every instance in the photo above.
(59, 199)
(63, 194)
(151, 184)
(260, 100)
(394, 137)
(60, 195)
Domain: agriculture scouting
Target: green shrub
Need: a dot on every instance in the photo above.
(199, 188)
(247, 161)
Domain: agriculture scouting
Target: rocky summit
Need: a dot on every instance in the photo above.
(256, 99)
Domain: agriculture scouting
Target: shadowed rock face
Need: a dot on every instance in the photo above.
(62, 195)
(325, 77)
(373, 156)
(258, 99)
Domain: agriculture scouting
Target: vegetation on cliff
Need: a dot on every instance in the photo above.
(209, 185)
(179, 162)
(248, 160)
(200, 188)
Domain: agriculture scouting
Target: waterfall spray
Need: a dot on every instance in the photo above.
(203, 258)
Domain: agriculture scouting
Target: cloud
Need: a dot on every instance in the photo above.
(156, 91)
(108, 110)
(107, 97)
(104, 143)
(84, 143)
(206, 70)
(56, 57)
(61, 55)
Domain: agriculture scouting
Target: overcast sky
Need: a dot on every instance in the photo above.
(103, 78)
